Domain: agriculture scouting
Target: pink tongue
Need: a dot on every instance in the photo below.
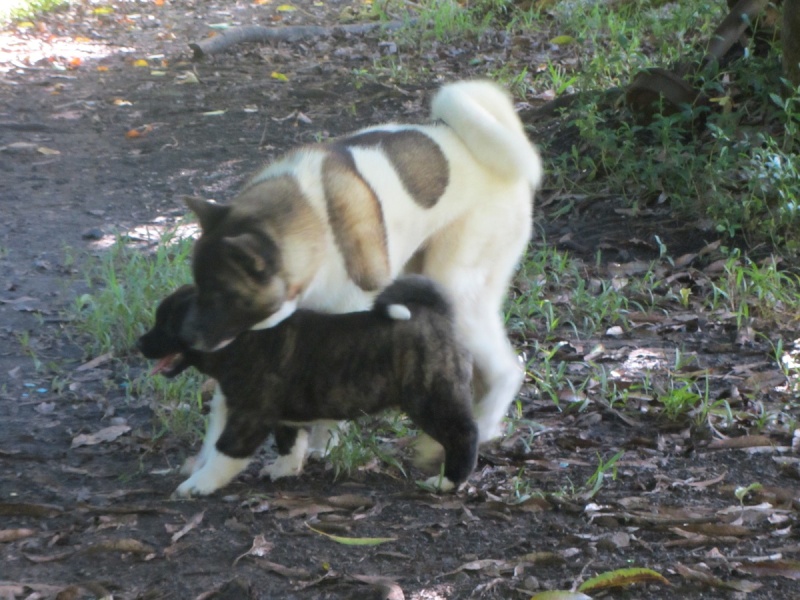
(164, 364)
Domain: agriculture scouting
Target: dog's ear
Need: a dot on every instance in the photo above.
(210, 214)
(247, 248)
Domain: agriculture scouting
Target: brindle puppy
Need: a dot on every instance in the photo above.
(314, 366)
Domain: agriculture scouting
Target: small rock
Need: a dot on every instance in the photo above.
(93, 233)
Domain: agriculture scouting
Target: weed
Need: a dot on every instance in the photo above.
(358, 446)
(595, 482)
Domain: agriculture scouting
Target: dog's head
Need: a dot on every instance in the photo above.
(237, 272)
(163, 341)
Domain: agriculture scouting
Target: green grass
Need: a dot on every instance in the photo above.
(365, 440)
(127, 285)
(27, 10)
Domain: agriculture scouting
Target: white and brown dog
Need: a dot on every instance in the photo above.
(329, 225)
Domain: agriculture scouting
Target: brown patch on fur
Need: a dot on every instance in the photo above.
(418, 160)
(278, 206)
(356, 219)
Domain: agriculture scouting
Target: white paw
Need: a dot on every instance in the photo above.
(217, 472)
(324, 436)
(428, 453)
(440, 483)
(191, 464)
(284, 466)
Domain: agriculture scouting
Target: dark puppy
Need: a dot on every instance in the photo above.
(313, 366)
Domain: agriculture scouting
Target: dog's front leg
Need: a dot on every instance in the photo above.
(217, 417)
(217, 472)
(243, 432)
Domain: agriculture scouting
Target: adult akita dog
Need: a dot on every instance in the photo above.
(329, 225)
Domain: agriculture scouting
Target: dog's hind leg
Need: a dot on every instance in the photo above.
(292, 445)
(447, 418)
(498, 377)
(477, 276)
(217, 417)
(324, 436)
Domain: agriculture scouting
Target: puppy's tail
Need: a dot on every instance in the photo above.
(482, 115)
(401, 298)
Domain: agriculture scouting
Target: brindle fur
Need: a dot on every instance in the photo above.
(319, 366)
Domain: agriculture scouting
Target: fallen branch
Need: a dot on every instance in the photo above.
(261, 35)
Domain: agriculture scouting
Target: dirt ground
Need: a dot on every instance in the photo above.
(93, 518)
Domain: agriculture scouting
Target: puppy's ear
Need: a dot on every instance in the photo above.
(248, 250)
(209, 213)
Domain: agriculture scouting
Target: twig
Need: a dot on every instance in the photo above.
(260, 34)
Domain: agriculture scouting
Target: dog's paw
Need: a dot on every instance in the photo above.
(190, 465)
(428, 453)
(284, 466)
(217, 472)
(324, 436)
(438, 483)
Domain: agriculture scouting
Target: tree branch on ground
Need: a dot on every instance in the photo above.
(259, 34)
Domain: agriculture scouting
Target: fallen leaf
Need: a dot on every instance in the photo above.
(260, 548)
(622, 578)
(193, 522)
(139, 131)
(480, 565)
(362, 541)
(38, 559)
(705, 577)
(560, 595)
(24, 509)
(286, 8)
(107, 434)
(279, 76)
(290, 572)
(124, 545)
(389, 589)
(141, 63)
(744, 441)
(562, 40)
(12, 535)
(95, 362)
(790, 569)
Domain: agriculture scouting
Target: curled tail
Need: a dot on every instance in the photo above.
(482, 115)
(399, 300)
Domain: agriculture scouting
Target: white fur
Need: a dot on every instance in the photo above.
(217, 417)
(324, 436)
(440, 483)
(290, 464)
(218, 470)
(286, 310)
(398, 312)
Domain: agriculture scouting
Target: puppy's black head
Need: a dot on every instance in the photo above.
(163, 341)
